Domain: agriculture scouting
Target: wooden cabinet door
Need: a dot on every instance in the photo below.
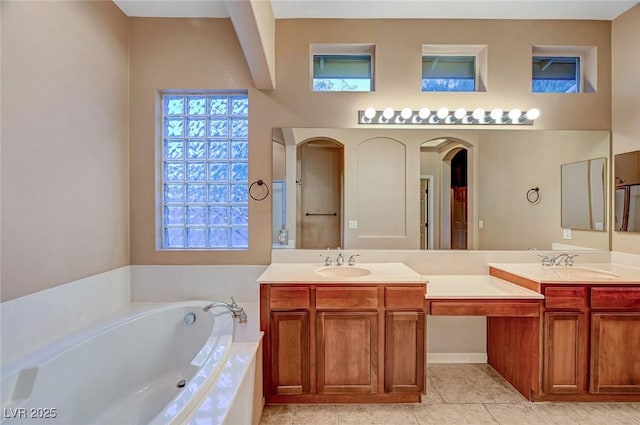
(347, 352)
(615, 352)
(290, 352)
(565, 353)
(404, 351)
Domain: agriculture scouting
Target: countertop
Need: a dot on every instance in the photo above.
(475, 287)
(600, 273)
(390, 273)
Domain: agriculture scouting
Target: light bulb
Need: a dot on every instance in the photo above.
(369, 113)
(424, 113)
(387, 113)
(496, 114)
(478, 114)
(406, 113)
(532, 114)
(442, 113)
(460, 113)
(514, 115)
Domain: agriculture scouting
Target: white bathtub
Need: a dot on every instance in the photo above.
(145, 365)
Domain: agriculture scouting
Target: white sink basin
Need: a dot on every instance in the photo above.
(343, 271)
(583, 273)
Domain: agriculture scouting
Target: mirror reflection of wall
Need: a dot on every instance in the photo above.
(627, 198)
(584, 194)
(385, 204)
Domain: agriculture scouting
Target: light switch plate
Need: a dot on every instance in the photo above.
(353, 224)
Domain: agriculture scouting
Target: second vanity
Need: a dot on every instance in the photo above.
(356, 334)
(585, 343)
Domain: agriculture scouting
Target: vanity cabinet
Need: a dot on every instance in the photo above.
(585, 346)
(591, 341)
(615, 341)
(565, 339)
(347, 352)
(343, 343)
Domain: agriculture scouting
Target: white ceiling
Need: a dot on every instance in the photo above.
(460, 9)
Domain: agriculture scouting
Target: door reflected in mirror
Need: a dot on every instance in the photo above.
(627, 198)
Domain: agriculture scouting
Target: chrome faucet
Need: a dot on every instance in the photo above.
(352, 259)
(566, 259)
(340, 259)
(237, 311)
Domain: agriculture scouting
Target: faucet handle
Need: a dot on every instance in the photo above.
(327, 260)
(233, 303)
(546, 260)
(569, 261)
(352, 259)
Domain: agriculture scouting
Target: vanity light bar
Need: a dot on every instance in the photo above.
(445, 116)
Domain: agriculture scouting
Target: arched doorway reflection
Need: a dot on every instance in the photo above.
(319, 182)
(446, 166)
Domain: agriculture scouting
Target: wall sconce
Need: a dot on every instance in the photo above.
(445, 116)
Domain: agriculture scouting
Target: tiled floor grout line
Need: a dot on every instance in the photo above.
(491, 414)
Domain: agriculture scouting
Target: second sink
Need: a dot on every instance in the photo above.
(343, 271)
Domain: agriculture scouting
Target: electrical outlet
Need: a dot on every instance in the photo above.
(353, 224)
(566, 233)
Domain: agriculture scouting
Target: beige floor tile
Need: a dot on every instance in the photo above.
(376, 414)
(303, 414)
(453, 414)
(472, 383)
(533, 413)
(459, 394)
(433, 396)
(565, 414)
(604, 414)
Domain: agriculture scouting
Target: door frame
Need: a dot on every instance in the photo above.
(430, 211)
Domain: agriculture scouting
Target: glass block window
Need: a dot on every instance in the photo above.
(205, 171)
(555, 74)
(342, 73)
(448, 73)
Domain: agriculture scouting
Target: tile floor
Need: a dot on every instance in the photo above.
(466, 394)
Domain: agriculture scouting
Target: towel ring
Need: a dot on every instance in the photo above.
(258, 182)
(533, 195)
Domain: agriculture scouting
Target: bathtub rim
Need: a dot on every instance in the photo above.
(121, 317)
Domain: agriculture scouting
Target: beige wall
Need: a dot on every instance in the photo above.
(205, 54)
(625, 105)
(398, 52)
(65, 169)
(190, 54)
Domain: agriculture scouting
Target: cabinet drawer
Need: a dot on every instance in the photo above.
(404, 297)
(615, 298)
(565, 297)
(363, 298)
(288, 297)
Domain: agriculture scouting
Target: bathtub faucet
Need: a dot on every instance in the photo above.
(234, 308)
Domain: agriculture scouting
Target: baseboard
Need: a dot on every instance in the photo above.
(456, 357)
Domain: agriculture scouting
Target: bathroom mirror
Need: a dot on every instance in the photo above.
(387, 188)
(584, 194)
(627, 196)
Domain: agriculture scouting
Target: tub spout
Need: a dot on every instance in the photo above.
(237, 311)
